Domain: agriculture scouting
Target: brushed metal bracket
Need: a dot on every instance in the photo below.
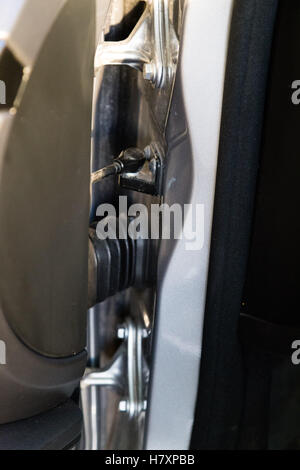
(151, 48)
(127, 373)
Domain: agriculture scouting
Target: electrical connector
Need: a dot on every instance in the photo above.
(129, 161)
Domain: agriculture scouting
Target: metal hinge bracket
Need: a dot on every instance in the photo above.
(151, 48)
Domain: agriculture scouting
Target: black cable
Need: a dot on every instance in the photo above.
(129, 161)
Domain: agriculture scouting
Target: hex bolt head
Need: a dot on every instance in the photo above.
(122, 332)
(123, 406)
(149, 72)
(146, 333)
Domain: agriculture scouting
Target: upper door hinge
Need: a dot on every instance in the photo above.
(151, 48)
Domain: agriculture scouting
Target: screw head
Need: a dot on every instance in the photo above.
(122, 332)
(149, 71)
(123, 406)
(146, 333)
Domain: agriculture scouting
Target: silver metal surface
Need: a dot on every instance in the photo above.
(93, 337)
(152, 47)
(125, 374)
(92, 276)
(193, 140)
(112, 376)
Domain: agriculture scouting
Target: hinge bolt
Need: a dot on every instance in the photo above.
(123, 406)
(149, 71)
(122, 332)
(145, 333)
